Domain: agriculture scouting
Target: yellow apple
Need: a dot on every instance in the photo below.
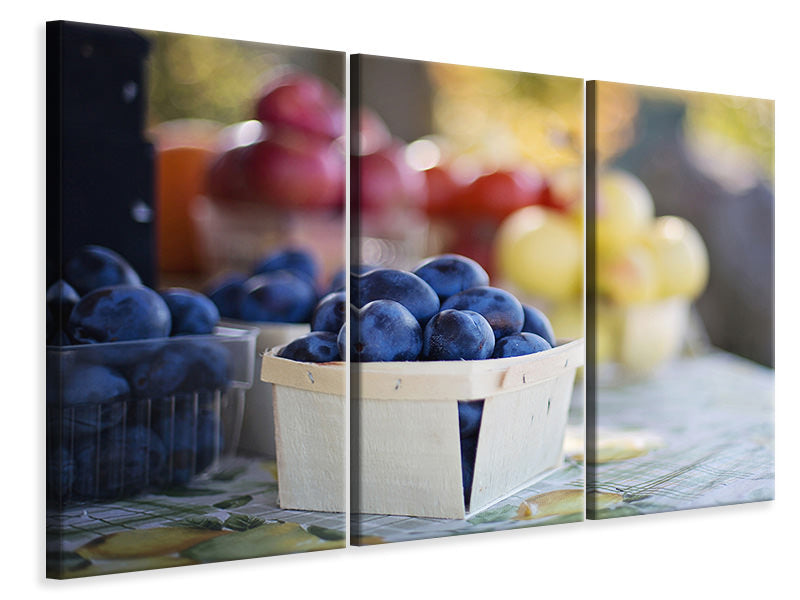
(630, 277)
(606, 333)
(566, 317)
(624, 210)
(680, 257)
(541, 252)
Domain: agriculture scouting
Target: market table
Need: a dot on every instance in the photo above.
(699, 433)
(233, 513)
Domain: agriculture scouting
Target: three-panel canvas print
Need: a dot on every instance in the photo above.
(290, 310)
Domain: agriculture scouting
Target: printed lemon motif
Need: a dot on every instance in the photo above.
(614, 446)
(146, 542)
(366, 540)
(548, 504)
(267, 540)
(617, 446)
(601, 500)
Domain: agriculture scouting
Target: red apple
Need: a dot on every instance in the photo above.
(565, 191)
(304, 102)
(226, 176)
(475, 241)
(387, 181)
(443, 191)
(496, 195)
(291, 169)
(373, 134)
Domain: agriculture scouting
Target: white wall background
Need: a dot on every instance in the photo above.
(747, 49)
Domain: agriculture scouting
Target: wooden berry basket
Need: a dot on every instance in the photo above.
(406, 422)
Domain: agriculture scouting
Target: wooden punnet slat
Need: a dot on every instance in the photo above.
(409, 445)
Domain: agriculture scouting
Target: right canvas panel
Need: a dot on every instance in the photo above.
(680, 300)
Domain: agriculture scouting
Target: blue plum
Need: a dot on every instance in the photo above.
(296, 260)
(281, 297)
(95, 267)
(60, 473)
(537, 322)
(192, 313)
(122, 461)
(61, 298)
(469, 417)
(317, 347)
(190, 429)
(330, 312)
(339, 280)
(90, 398)
(520, 344)
(449, 274)
(227, 294)
(469, 450)
(457, 335)
(210, 367)
(92, 384)
(188, 366)
(119, 313)
(341, 337)
(502, 310)
(469, 423)
(384, 330)
(401, 286)
(162, 375)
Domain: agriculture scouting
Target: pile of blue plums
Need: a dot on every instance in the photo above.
(280, 288)
(444, 309)
(135, 382)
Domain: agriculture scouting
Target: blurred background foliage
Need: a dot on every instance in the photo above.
(733, 137)
(218, 79)
(503, 118)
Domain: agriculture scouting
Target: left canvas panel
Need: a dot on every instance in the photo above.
(195, 222)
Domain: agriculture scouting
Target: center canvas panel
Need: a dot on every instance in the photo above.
(466, 295)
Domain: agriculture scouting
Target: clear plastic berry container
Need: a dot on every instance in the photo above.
(129, 417)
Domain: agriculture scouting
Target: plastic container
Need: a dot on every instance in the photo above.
(258, 426)
(127, 417)
(407, 459)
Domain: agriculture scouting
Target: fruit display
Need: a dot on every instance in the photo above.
(136, 381)
(649, 270)
(278, 178)
(443, 310)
